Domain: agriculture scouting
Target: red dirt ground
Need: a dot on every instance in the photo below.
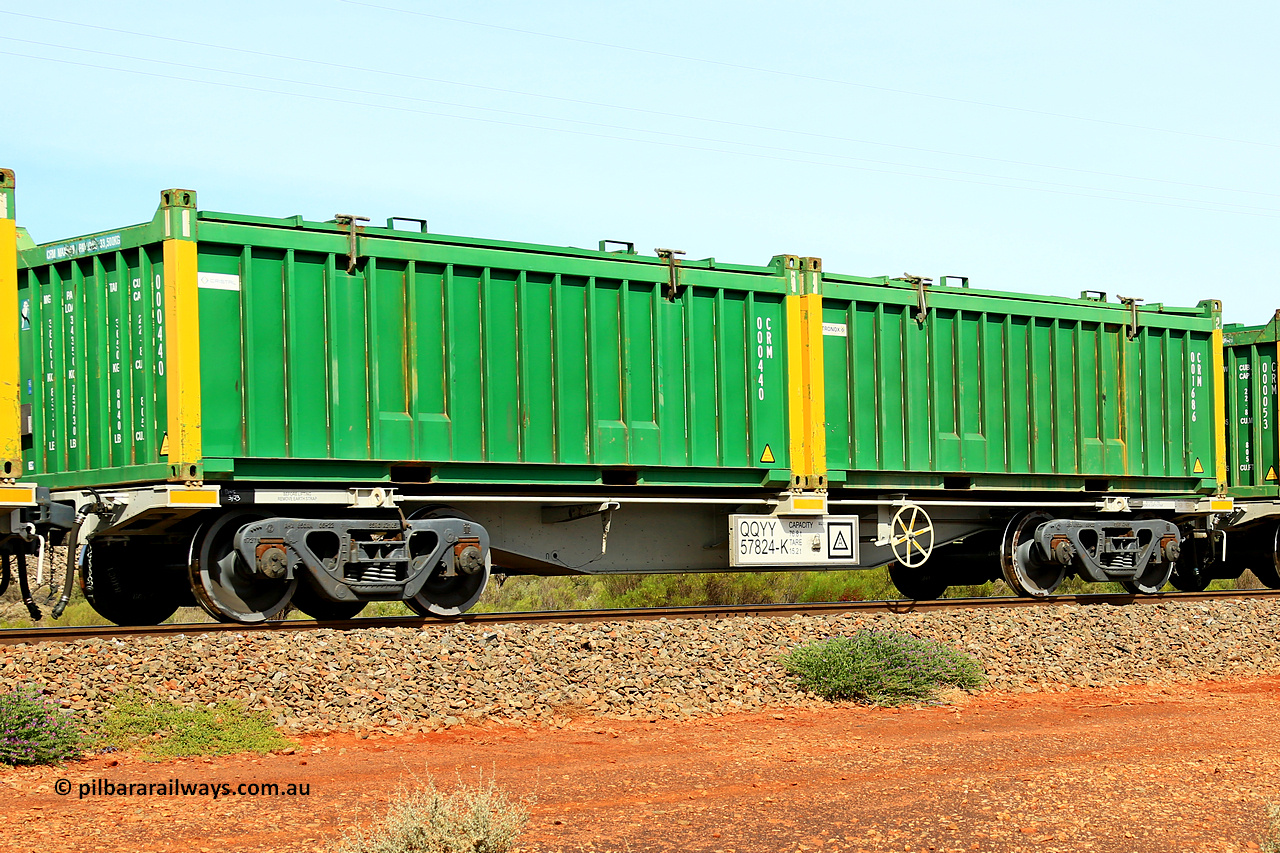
(1152, 770)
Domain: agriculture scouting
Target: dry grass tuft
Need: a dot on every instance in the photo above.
(471, 819)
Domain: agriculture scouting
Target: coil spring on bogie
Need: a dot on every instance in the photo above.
(378, 573)
(1124, 560)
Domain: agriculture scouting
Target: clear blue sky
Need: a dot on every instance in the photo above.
(1129, 147)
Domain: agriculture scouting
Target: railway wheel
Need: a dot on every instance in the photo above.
(916, 584)
(1152, 579)
(229, 589)
(322, 609)
(131, 583)
(442, 595)
(1020, 562)
(1266, 562)
(445, 596)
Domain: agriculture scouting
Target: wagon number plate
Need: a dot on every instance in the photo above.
(793, 540)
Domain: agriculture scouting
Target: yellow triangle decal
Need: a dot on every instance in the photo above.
(1271, 473)
(164, 445)
(1199, 469)
(766, 457)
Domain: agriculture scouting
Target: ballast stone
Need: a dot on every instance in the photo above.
(406, 679)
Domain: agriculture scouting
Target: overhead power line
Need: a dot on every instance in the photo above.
(605, 126)
(624, 107)
(812, 77)
(1219, 207)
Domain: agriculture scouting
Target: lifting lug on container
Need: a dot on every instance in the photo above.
(392, 220)
(351, 222)
(671, 256)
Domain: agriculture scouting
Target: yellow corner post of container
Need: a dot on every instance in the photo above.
(805, 379)
(10, 380)
(797, 393)
(1219, 411)
(182, 335)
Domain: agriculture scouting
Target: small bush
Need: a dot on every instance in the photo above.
(167, 730)
(33, 731)
(881, 668)
(1271, 841)
(479, 819)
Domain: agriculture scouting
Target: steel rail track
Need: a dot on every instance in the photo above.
(10, 636)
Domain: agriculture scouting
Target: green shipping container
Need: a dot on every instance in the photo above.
(931, 387)
(336, 352)
(1253, 444)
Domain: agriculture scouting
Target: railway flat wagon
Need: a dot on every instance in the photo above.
(254, 413)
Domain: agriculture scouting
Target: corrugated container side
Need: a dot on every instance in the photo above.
(1013, 391)
(440, 353)
(1253, 442)
(93, 356)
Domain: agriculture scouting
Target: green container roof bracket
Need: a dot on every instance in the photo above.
(1132, 304)
(672, 259)
(919, 283)
(353, 225)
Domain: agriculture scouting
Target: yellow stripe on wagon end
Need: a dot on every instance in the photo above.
(202, 497)
(19, 495)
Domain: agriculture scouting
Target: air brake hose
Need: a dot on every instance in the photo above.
(4, 573)
(67, 580)
(74, 557)
(25, 586)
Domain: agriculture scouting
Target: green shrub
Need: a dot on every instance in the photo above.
(167, 730)
(33, 731)
(479, 819)
(848, 585)
(881, 668)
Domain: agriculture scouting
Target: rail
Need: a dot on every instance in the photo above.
(10, 636)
